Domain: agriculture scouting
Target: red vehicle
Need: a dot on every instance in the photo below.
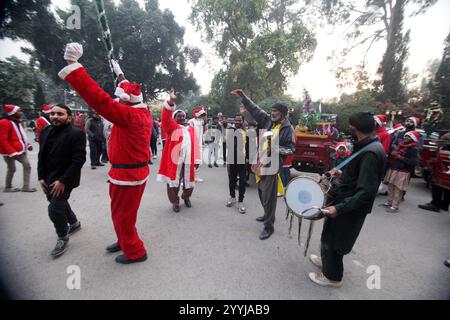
(429, 156)
(313, 153)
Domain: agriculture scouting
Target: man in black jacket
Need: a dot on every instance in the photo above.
(355, 192)
(94, 130)
(61, 156)
(282, 143)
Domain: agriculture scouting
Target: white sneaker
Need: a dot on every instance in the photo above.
(199, 180)
(316, 260)
(241, 207)
(321, 280)
(231, 201)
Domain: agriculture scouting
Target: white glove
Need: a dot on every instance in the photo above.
(73, 52)
(116, 67)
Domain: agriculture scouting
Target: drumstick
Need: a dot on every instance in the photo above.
(290, 224)
(311, 225)
(299, 229)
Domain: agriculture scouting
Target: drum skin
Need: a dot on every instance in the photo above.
(304, 196)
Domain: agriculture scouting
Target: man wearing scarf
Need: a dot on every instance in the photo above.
(279, 129)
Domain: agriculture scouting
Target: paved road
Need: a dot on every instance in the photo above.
(213, 252)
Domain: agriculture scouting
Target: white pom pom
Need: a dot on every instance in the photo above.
(125, 97)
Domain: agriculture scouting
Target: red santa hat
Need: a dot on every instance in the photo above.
(46, 108)
(380, 119)
(415, 120)
(397, 127)
(198, 112)
(176, 112)
(10, 109)
(129, 92)
(341, 144)
(415, 135)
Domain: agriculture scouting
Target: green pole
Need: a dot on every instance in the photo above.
(106, 34)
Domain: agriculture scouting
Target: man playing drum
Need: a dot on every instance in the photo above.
(355, 192)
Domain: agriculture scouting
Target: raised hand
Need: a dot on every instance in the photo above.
(73, 52)
(116, 67)
(237, 93)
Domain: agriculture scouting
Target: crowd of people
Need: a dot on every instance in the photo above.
(121, 131)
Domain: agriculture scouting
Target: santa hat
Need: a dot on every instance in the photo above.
(10, 109)
(380, 119)
(341, 144)
(198, 112)
(415, 135)
(397, 127)
(46, 108)
(176, 112)
(415, 120)
(129, 92)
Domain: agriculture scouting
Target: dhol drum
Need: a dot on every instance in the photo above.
(305, 197)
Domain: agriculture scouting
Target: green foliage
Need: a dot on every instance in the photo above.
(148, 42)
(17, 84)
(261, 41)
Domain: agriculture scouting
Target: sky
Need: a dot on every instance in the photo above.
(428, 32)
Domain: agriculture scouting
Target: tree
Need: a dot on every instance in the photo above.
(441, 83)
(16, 84)
(262, 43)
(376, 20)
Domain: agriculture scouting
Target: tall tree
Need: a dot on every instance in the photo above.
(374, 21)
(148, 41)
(262, 43)
(441, 83)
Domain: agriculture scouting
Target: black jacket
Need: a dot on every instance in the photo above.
(264, 121)
(62, 154)
(94, 129)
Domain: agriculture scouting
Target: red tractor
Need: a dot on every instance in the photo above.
(313, 152)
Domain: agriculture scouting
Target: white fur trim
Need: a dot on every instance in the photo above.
(175, 183)
(127, 183)
(18, 133)
(412, 136)
(14, 110)
(68, 70)
(47, 112)
(169, 107)
(134, 99)
(13, 154)
(413, 120)
(378, 121)
(140, 105)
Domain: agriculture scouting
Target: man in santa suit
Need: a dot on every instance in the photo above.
(129, 150)
(199, 123)
(382, 133)
(13, 147)
(181, 154)
(43, 120)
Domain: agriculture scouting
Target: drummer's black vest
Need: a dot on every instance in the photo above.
(346, 185)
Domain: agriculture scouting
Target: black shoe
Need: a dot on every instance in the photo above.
(447, 263)
(215, 165)
(150, 162)
(266, 233)
(60, 247)
(74, 227)
(93, 167)
(115, 247)
(188, 203)
(124, 260)
(176, 208)
(383, 193)
(209, 165)
(260, 219)
(100, 164)
(429, 207)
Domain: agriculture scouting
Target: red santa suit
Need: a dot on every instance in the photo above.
(181, 149)
(382, 133)
(42, 121)
(13, 139)
(128, 151)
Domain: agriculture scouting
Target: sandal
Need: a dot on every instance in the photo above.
(29, 190)
(11, 190)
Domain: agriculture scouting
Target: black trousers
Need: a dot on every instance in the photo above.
(441, 197)
(104, 157)
(95, 148)
(233, 171)
(153, 145)
(60, 212)
(224, 152)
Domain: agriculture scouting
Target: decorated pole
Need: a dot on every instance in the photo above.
(106, 33)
